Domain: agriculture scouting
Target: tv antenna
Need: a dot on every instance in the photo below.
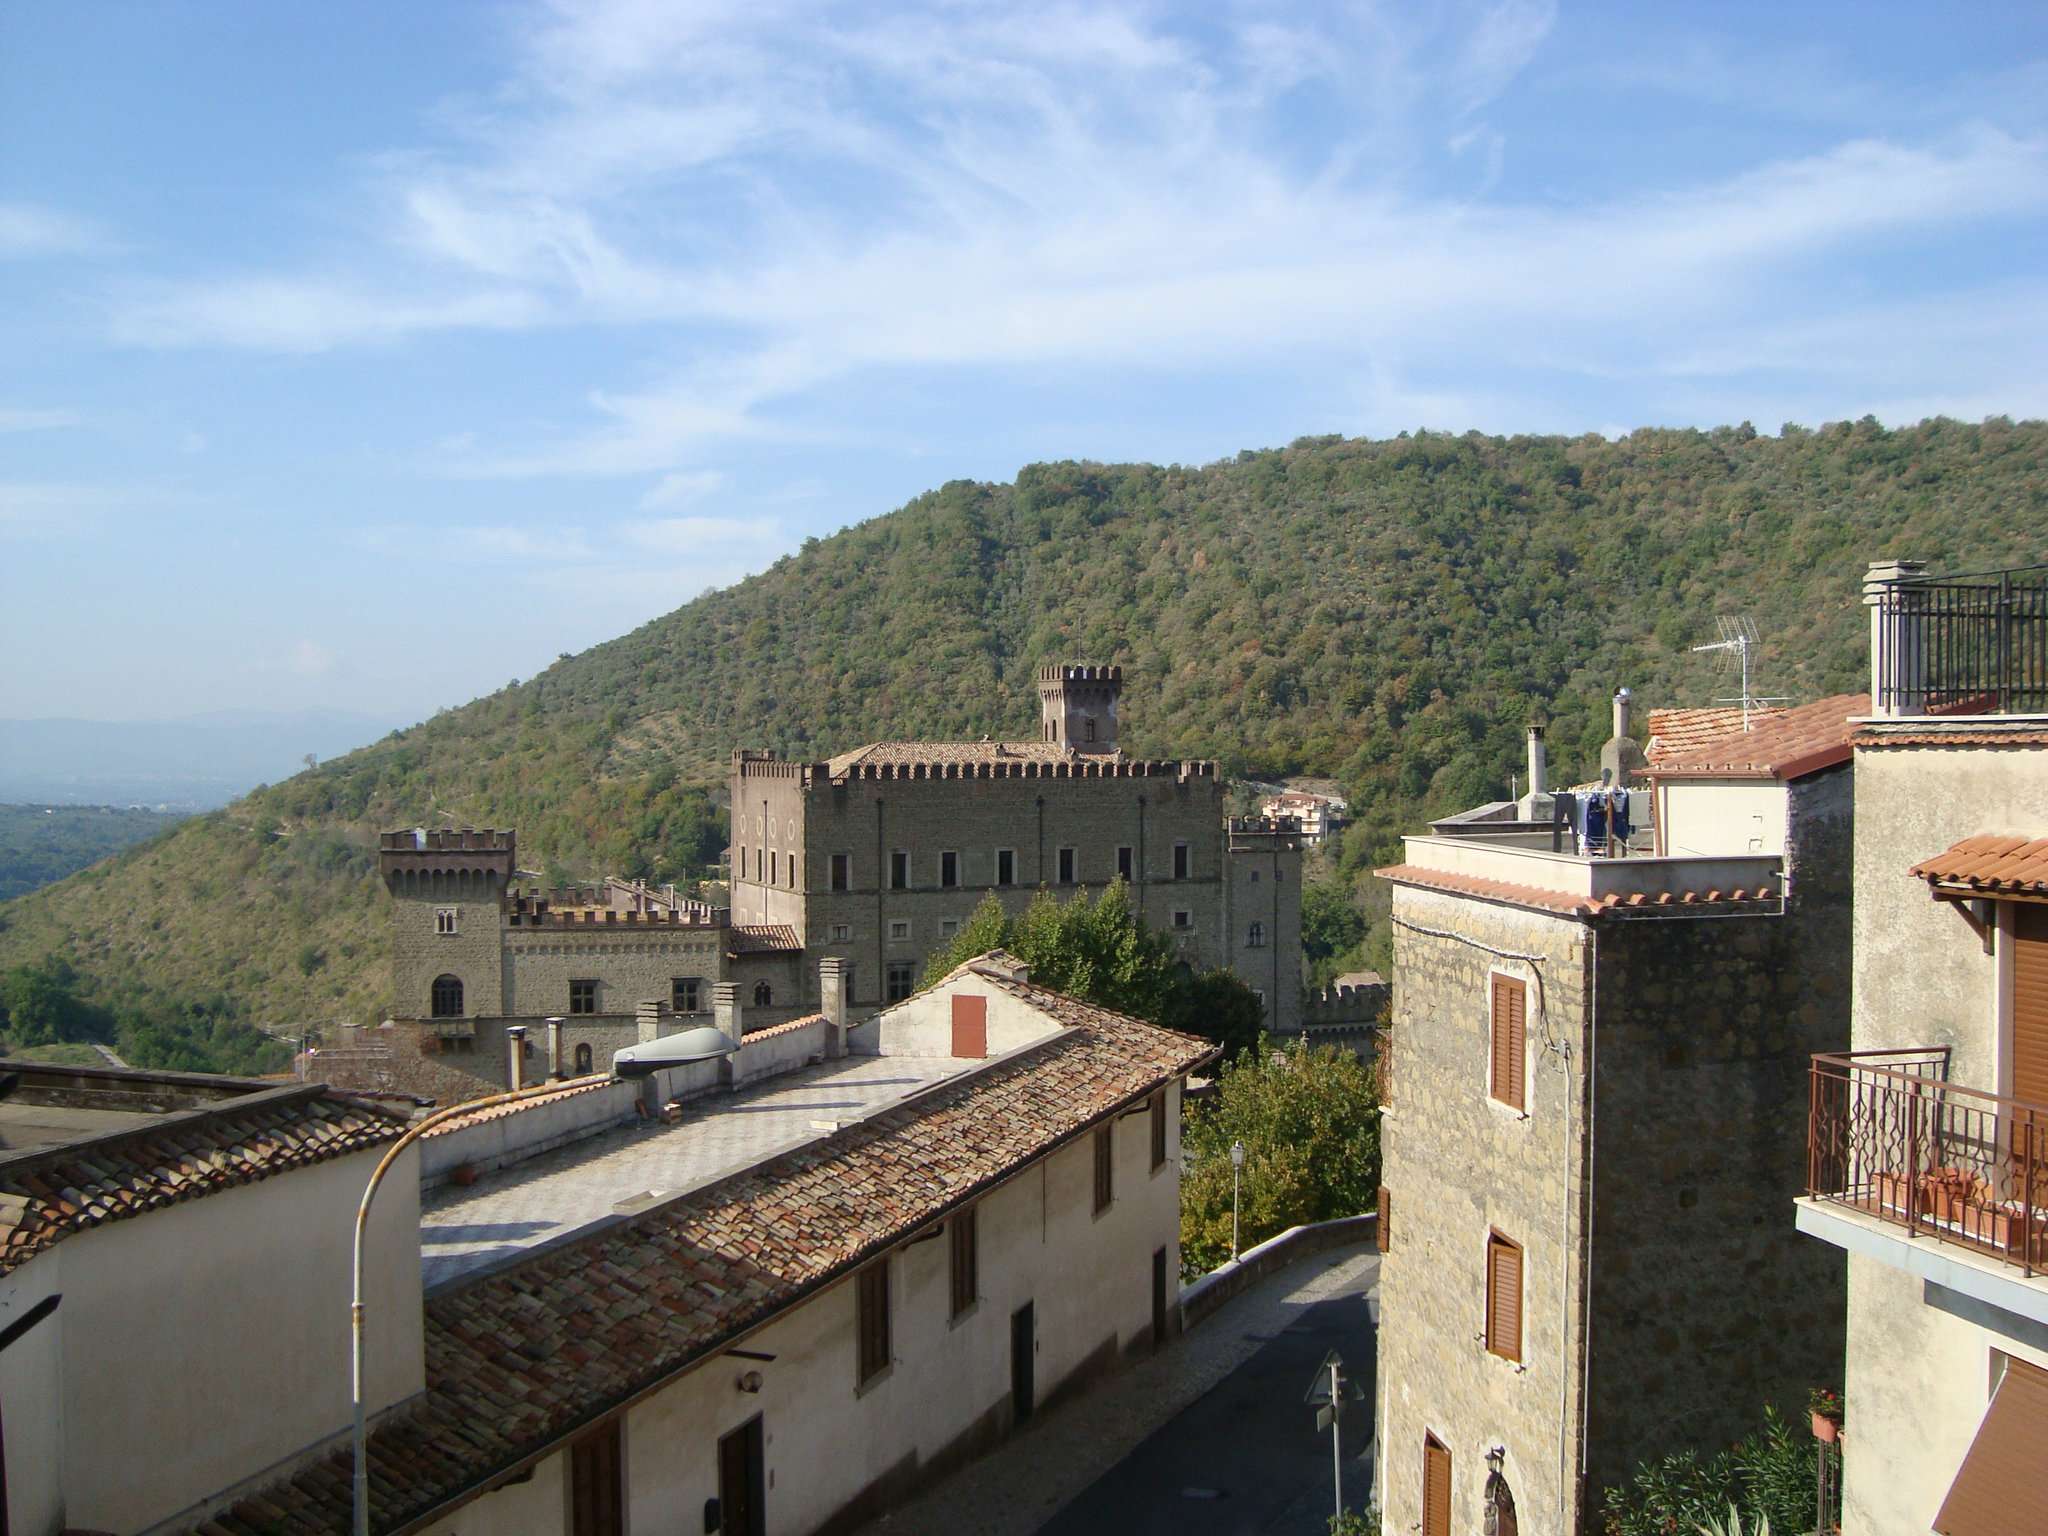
(1738, 637)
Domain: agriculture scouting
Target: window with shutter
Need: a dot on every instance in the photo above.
(1383, 1232)
(596, 1502)
(1510, 1013)
(966, 1277)
(1503, 1297)
(1436, 1487)
(1105, 1167)
(2030, 1003)
(1158, 1108)
(873, 1306)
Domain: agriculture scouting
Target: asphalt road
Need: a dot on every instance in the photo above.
(1245, 1458)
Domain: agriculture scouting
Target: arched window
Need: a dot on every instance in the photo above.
(447, 997)
(583, 1059)
(1090, 730)
(764, 995)
(1257, 939)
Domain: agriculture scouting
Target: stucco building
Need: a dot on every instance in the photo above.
(1593, 1058)
(1927, 1146)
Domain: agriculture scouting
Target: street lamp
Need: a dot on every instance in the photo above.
(1236, 1167)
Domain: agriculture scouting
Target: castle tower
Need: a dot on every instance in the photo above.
(447, 893)
(1077, 706)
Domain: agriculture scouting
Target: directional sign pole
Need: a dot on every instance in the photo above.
(1336, 1436)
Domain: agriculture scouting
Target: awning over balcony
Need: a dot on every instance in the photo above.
(1999, 1487)
(1989, 865)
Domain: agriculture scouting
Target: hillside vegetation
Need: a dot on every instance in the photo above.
(1385, 613)
(40, 844)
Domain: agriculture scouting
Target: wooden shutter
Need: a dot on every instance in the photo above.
(1503, 1297)
(1436, 1487)
(1159, 1130)
(1105, 1167)
(1510, 1011)
(970, 1027)
(966, 1280)
(1383, 1232)
(596, 1507)
(2030, 1002)
(1999, 1487)
(873, 1303)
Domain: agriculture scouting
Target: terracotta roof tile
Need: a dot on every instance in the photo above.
(1676, 732)
(520, 1357)
(1868, 737)
(46, 1197)
(1992, 864)
(1565, 904)
(568, 1090)
(763, 938)
(1787, 745)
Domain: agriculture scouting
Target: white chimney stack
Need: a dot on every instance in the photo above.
(554, 1049)
(1622, 699)
(1539, 762)
(832, 1002)
(515, 1046)
(725, 1009)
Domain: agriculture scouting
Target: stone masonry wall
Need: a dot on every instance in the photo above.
(419, 953)
(630, 967)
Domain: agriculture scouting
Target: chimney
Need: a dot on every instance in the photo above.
(515, 1047)
(725, 1009)
(1539, 762)
(647, 1014)
(1622, 699)
(555, 1049)
(1622, 760)
(1898, 645)
(832, 1002)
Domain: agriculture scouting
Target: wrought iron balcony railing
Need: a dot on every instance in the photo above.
(1888, 1135)
(1970, 644)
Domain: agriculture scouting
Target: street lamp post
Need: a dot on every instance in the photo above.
(1236, 1167)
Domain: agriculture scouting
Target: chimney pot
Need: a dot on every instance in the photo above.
(554, 1049)
(725, 1010)
(832, 1003)
(515, 1047)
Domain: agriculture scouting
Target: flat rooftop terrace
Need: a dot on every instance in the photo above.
(556, 1193)
(44, 1107)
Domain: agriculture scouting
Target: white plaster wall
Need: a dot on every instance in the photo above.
(764, 1057)
(537, 1507)
(32, 1389)
(1714, 817)
(215, 1333)
(923, 1025)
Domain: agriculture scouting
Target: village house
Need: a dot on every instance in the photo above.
(1593, 1057)
(1927, 1141)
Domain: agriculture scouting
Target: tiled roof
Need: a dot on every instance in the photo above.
(1788, 745)
(1676, 732)
(1869, 737)
(789, 1027)
(523, 1356)
(1566, 904)
(763, 939)
(568, 1090)
(1991, 864)
(896, 754)
(47, 1197)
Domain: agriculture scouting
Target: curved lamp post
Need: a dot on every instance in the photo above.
(1236, 1167)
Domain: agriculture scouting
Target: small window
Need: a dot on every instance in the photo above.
(899, 928)
(948, 926)
(1503, 1297)
(583, 1059)
(1180, 861)
(949, 869)
(683, 994)
(597, 1483)
(1183, 918)
(1509, 1053)
(842, 872)
(1259, 994)
(1436, 1487)
(583, 997)
(764, 995)
(444, 920)
(1383, 1228)
(774, 868)
(1158, 1120)
(872, 1302)
(966, 1279)
(902, 977)
(1105, 1166)
(851, 994)
(792, 870)
(1006, 866)
(1088, 730)
(1256, 938)
(1126, 863)
(1255, 877)
(899, 871)
(1066, 866)
(447, 997)
(842, 933)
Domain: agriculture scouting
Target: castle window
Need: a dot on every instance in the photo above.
(842, 933)
(774, 868)
(899, 928)
(583, 1060)
(1125, 864)
(444, 920)
(1006, 866)
(949, 869)
(1088, 730)
(1180, 861)
(583, 996)
(948, 926)
(902, 980)
(447, 997)
(1256, 939)
(1183, 918)
(764, 995)
(1255, 877)
(852, 993)
(683, 994)
(1066, 866)
(842, 872)
(899, 871)
(792, 871)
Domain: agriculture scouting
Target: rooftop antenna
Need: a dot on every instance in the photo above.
(1738, 636)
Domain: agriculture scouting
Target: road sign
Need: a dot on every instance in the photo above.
(1324, 1415)
(1331, 1369)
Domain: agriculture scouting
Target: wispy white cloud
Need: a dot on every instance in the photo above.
(19, 419)
(682, 487)
(28, 230)
(291, 314)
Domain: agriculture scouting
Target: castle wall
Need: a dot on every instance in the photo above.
(631, 965)
(769, 799)
(1263, 922)
(420, 953)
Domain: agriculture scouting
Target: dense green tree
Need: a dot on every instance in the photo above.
(1767, 1475)
(1332, 928)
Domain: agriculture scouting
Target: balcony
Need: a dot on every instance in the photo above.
(1524, 867)
(1890, 1138)
(1968, 644)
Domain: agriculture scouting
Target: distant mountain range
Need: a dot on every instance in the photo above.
(196, 763)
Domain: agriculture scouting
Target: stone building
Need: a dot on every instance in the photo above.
(1927, 1147)
(1593, 1060)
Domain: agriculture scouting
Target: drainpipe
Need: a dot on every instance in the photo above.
(515, 1045)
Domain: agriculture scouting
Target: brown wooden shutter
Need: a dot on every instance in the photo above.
(1159, 1130)
(1999, 1487)
(873, 1302)
(1436, 1487)
(1105, 1167)
(970, 1027)
(1503, 1297)
(1510, 1012)
(596, 1507)
(966, 1279)
(2030, 1002)
(1383, 1233)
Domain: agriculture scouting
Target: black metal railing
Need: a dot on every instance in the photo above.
(1972, 644)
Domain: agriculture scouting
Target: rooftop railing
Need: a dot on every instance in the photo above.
(1969, 644)
(1888, 1135)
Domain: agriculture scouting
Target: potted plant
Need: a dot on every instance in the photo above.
(1826, 1408)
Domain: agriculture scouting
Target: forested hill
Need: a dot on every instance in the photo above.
(1389, 613)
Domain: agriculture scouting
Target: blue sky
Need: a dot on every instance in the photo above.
(368, 356)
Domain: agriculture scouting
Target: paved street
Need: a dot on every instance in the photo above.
(1208, 1438)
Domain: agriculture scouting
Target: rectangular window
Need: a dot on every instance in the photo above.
(1125, 864)
(1383, 1227)
(899, 871)
(852, 996)
(872, 1287)
(902, 980)
(1158, 1131)
(949, 869)
(966, 1281)
(792, 870)
(774, 868)
(1183, 918)
(1510, 1010)
(1503, 1297)
(1066, 866)
(597, 1502)
(1006, 866)
(1105, 1166)
(948, 926)
(1436, 1487)
(842, 933)
(842, 872)
(1180, 861)
(899, 928)
(683, 994)
(583, 997)
(444, 920)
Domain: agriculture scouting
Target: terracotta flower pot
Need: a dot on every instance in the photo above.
(1825, 1428)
